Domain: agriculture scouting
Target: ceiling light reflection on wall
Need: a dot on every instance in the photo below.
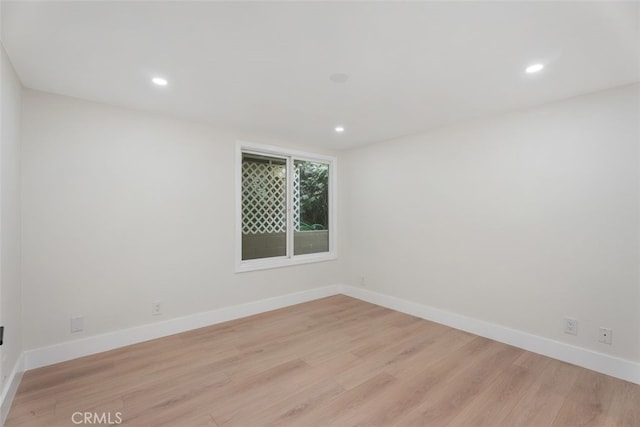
(534, 68)
(159, 81)
(339, 129)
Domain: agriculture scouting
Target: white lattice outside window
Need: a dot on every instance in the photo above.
(264, 197)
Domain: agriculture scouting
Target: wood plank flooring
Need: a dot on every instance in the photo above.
(336, 361)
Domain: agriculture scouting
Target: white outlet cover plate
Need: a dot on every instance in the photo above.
(605, 335)
(77, 324)
(570, 326)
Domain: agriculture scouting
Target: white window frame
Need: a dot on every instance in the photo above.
(289, 259)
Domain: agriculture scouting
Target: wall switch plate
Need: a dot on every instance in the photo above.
(605, 335)
(570, 326)
(77, 324)
(156, 308)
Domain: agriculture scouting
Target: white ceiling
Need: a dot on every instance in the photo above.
(265, 67)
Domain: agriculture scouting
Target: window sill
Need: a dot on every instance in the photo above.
(278, 262)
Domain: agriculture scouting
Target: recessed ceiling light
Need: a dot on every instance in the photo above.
(159, 81)
(339, 77)
(534, 68)
(339, 129)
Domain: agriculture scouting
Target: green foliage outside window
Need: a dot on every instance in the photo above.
(314, 196)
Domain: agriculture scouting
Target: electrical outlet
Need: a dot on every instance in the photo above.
(77, 324)
(156, 308)
(605, 335)
(570, 326)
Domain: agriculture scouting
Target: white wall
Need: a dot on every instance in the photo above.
(122, 208)
(520, 219)
(10, 290)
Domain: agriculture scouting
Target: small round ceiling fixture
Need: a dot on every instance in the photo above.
(339, 129)
(534, 68)
(339, 77)
(159, 81)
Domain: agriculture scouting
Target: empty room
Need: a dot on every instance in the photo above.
(324, 213)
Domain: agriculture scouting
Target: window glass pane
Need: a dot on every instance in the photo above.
(264, 206)
(310, 207)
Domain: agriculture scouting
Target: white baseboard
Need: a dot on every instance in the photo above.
(10, 388)
(599, 362)
(91, 345)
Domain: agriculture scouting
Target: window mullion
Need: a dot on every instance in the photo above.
(290, 231)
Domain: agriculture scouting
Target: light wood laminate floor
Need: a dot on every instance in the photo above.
(336, 361)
